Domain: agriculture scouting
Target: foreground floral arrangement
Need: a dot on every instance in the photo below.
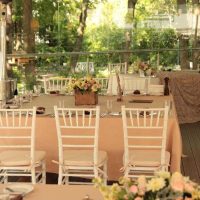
(86, 84)
(161, 187)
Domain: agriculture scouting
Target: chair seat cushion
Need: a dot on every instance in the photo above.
(147, 158)
(19, 158)
(83, 157)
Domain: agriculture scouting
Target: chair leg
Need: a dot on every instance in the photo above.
(126, 172)
(33, 176)
(5, 177)
(60, 176)
(43, 172)
(105, 173)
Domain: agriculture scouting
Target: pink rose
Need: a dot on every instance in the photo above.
(133, 189)
(189, 187)
(138, 198)
(177, 182)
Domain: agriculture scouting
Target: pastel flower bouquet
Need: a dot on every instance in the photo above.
(85, 90)
(162, 186)
(85, 84)
(144, 66)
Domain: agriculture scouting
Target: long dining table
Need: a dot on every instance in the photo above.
(60, 192)
(110, 131)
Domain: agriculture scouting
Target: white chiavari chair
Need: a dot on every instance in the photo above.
(78, 133)
(117, 67)
(56, 84)
(104, 84)
(145, 131)
(18, 157)
(84, 67)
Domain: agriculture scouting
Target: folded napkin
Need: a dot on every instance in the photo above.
(141, 101)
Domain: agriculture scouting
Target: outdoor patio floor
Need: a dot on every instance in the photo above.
(191, 150)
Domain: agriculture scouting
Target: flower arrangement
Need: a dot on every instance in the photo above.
(144, 66)
(86, 84)
(162, 186)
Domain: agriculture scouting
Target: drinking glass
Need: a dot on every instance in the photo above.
(37, 89)
(4, 196)
(61, 104)
(109, 106)
(2, 103)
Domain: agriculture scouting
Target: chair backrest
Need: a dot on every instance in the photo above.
(117, 67)
(77, 128)
(145, 128)
(84, 67)
(56, 84)
(17, 130)
(104, 84)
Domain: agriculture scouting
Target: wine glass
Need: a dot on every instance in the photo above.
(2, 103)
(109, 106)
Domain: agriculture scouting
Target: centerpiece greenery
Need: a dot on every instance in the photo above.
(162, 186)
(85, 90)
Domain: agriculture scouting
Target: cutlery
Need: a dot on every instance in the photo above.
(15, 192)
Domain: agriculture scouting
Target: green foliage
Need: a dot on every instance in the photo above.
(156, 39)
(58, 22)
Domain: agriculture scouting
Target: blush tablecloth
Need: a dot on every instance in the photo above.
(111, 131)
(61, 192)
(129, 83)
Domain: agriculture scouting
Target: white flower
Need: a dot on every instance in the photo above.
(155, 184)
(163, 174)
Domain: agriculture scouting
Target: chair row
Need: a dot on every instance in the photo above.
(129, 84)
(78, 133)
(60, 84)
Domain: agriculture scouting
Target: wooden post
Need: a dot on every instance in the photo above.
(119, 88)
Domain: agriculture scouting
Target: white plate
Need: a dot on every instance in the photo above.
(13, 106)
(18, 188)
(25, 101)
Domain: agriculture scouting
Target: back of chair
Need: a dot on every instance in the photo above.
(56, 84)
(84, 67)
(77, 128)
(145, 128)
(17, 129)
(118, 67)
(104, 84)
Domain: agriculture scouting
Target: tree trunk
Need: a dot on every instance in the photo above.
(128, 38)
(80, 34)
(195, 43)
(29, 42)
(183, 41)
(184, 55)
(9, 31)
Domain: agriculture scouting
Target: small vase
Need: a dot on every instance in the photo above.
(141, 73)
(147, 72)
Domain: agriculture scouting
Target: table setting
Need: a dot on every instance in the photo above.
(15, 191)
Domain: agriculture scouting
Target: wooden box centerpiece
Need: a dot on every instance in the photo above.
(85, 98)
(85, 90)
